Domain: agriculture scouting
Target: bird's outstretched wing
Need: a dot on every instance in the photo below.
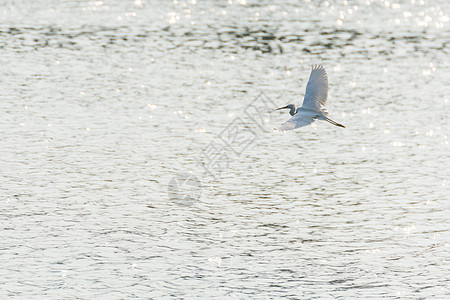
(316, 89)
(300, 119)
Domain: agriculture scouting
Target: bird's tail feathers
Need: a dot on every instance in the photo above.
(334, 123)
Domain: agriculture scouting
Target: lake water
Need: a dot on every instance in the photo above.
(139, 160)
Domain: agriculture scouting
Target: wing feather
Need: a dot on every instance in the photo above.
(316, 89)
(300, 119)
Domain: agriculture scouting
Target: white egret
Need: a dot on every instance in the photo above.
(313, 106)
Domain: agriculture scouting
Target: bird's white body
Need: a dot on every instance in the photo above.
(313, 106)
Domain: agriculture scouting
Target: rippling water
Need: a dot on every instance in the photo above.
(105, 103)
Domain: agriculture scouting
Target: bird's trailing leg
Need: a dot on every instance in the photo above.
(334, 123)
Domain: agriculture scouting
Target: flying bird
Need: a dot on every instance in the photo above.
(313, 106)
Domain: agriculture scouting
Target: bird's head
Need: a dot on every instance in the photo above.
(290, 106)
(287, 106)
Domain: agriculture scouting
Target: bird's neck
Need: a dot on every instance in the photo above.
(292, 111)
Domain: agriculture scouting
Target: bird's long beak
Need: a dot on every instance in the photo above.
(281, 107)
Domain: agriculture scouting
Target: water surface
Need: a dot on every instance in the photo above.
(105, 102)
